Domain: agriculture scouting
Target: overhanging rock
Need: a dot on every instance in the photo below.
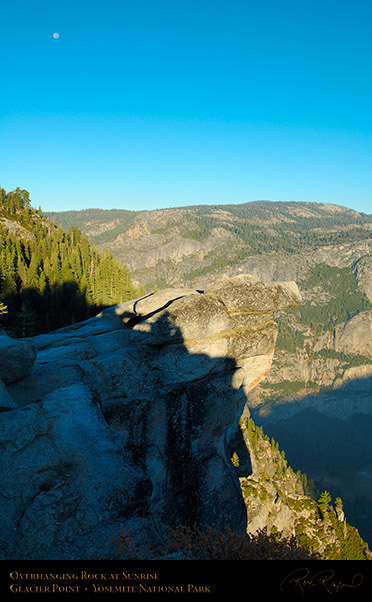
(151, 390)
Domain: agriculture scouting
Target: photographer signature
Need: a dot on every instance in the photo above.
(302, 579)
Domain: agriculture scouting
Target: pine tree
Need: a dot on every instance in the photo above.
(28, 321)
(324, 501)
(339, 503)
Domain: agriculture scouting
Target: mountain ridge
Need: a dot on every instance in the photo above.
(177, 243)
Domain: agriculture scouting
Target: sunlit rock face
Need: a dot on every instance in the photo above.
(125, 419)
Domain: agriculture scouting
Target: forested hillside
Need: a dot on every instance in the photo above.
(181, 245)
(50, 278)
(288, 504)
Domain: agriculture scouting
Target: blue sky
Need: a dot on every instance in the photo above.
(146, 104)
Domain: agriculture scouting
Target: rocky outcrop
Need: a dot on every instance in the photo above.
(15, 228)
(16, 358)
(276, 501)
(6, 402)
(363, 273)
(65, 475)
(270, 485)
(356, 335)
(125, 419)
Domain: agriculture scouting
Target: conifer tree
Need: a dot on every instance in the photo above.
(324, 501)
(339, 503)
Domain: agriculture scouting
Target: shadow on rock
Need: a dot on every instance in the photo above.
(126, 419)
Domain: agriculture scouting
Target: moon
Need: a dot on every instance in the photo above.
(56, 35)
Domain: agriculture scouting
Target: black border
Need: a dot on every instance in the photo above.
(180, 580)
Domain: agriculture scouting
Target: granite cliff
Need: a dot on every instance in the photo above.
(126, 419)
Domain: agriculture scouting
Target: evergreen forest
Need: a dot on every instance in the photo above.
(50, 278)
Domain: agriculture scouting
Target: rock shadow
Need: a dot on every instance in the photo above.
(178, 423)
(143, 403)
